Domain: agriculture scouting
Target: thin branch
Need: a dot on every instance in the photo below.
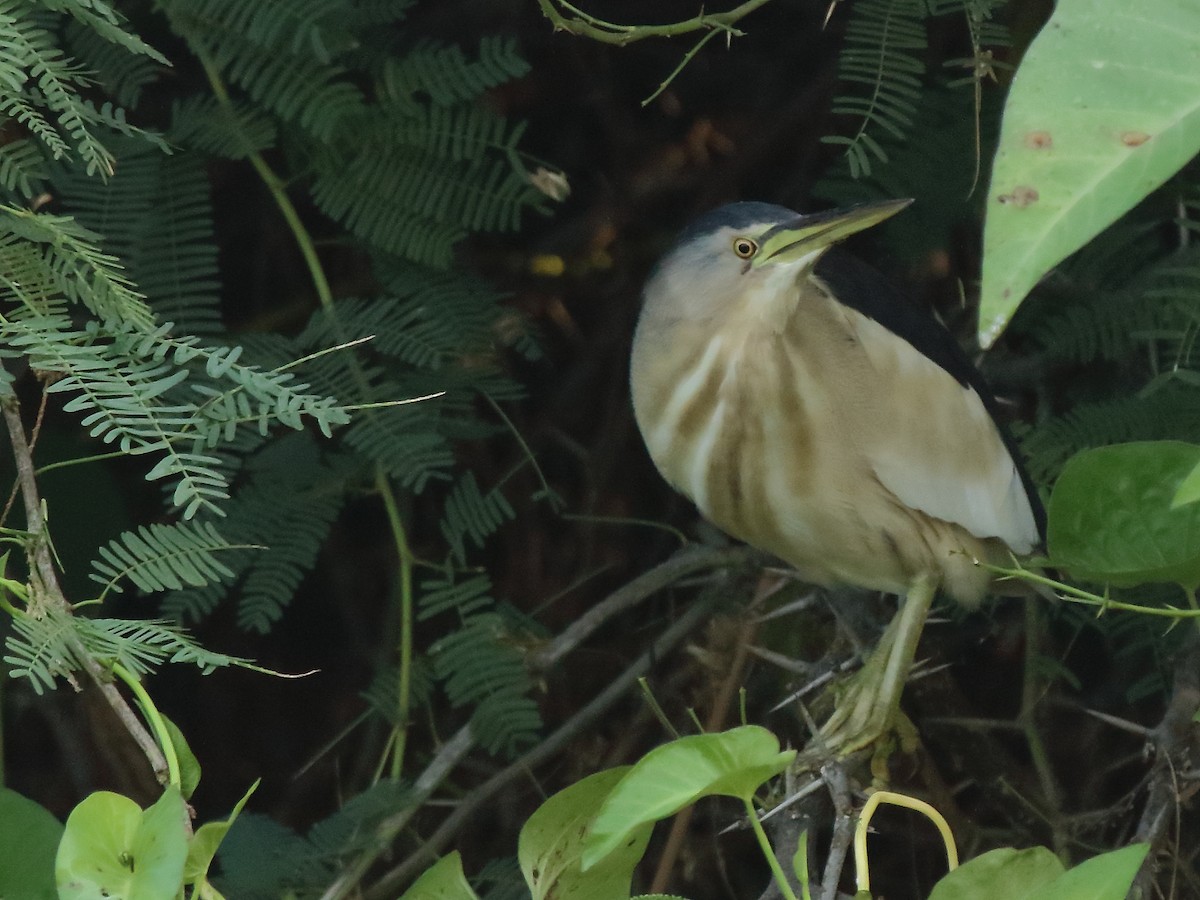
(843, 828)
(47, 589)
(554, 744)
(578, 22)
(685, 562)
(1173, 744)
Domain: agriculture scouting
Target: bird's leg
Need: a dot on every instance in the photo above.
(867, 706)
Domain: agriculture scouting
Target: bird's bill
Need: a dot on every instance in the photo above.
(805, 235)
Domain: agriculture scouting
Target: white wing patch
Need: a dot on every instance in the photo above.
(940, 453)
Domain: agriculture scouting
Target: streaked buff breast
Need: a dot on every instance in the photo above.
(776, 431)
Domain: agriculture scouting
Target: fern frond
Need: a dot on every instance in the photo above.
(118, 398)
(71, 255)
(140, 645)
(354, 827)
(479, 666)
(883, 45)
(102, 20)
(123, 74)
(1170, 413)
(163, 557)
(22, 169)
(1156, 306)
(406, 442)
(301, 27)
(274, 63)
(382, 694)
(291, 495)
(40, 647)
(469, 513)
(446, 594)
(418, 206)
(445, 75)
(233, 130)
(300, 526)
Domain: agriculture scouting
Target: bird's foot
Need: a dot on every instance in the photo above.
(867, 706)
(861, 717)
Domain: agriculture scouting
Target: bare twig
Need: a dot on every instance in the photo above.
(46, 590)
(843, 828)
(390, 882)
(1172, 740)
(566, 17)
(685, 562)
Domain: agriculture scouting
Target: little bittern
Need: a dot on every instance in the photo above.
(810, 410)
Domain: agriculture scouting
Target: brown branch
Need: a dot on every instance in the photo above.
(1173, 741)
(843, 828)
(455, 750)
(685, 562)
(47, 592)
(467, 808)
(578, 22)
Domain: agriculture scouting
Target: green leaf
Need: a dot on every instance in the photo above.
(1189, 489)
(29, 835)
(1017, 872)
(112, 849)
(1111, 520)
(207, 840)
(1103, 109)
(668, 778)
(800, 863)
(1104, 877)
(189, 766)
(550, 848)
(444, 880)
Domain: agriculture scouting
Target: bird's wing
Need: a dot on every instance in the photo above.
(937, 447)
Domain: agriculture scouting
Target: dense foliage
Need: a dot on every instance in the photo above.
(309, 362)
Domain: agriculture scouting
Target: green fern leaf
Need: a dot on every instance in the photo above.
(471, 514)
(163, 557)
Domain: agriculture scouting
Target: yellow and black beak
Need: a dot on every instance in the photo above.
(803, 236)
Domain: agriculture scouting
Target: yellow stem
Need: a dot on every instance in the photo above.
(861, 870)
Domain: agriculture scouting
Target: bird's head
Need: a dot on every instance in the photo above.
(750, 252)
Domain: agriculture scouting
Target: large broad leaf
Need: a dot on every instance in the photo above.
(1016, 872)
(1103, 109)
(29, 837)
(551, 845)
(1111, 519)
(444, 880)
(668, 778)
(1104, 877)
(111, 848)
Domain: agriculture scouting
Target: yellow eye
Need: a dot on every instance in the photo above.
(744, 247)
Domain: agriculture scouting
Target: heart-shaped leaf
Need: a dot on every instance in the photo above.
(732, 763)
(551, 845)
(1111, 519)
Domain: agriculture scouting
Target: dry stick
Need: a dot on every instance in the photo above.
(843, 828)
(716, 718)
(1171, 743)
(411, 867)
(51, 591)
(455, 750)
(685, 562)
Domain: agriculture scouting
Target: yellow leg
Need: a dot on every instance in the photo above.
(867, 706)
